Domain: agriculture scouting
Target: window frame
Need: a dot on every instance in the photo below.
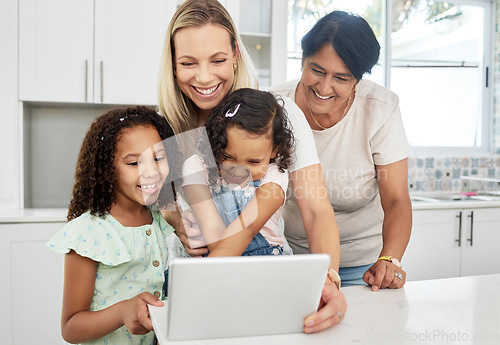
(486, 147)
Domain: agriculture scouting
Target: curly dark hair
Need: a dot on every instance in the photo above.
(259, 112)
(95, 181)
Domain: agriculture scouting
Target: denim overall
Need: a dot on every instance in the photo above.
(230, 203)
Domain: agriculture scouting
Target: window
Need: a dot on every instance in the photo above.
(437, 58)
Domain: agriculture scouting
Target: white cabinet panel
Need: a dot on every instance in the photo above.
(9, 174)
(31, 295)
(481, 236)
(432, 251)
(128, 50)
(55, 50)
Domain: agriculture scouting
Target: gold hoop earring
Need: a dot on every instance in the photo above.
(234, 67)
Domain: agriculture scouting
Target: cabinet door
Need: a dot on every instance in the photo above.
(55, 50)
(481, 233)
(32, 284)
(262, 27)
(433, 251)
(128, 43)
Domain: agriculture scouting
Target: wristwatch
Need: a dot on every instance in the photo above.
(390, 259)
(334, 277)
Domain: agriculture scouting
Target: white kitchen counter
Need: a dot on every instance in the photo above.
(429, 205)
(33, 215)
(444, 311)
(451, 200)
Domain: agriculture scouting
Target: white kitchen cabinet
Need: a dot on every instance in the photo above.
(432, 251)
(55, 50)
(262, 27)
(453, 242)
(480, 239)
(32, 284)
(105, 51)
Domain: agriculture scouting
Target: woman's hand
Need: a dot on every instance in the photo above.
(331, 310)
(190, 235)
(135, 313)
(384, 274)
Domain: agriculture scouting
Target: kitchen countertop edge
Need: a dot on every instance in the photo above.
(58, 215)
(33, 215)
(457, 204)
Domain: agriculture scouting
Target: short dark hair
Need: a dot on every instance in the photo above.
(259, 112)
(350, 35)
(95, 181)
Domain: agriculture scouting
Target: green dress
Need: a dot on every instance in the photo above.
(130, 260)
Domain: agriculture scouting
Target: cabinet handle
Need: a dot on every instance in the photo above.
(459, 239)
(471, 216)
(102, 84)
(86, 79)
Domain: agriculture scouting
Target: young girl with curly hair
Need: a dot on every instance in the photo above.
(250, 140)
(114, 242)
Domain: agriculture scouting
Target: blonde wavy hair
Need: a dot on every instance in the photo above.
(178, 109)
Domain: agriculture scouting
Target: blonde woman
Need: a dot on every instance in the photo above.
(203, 61)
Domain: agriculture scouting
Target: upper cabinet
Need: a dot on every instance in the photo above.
(262, 27)
(108, 51)
(56, 50)
(105, 51)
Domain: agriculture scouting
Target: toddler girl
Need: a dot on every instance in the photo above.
(250, 139)
(114, 244)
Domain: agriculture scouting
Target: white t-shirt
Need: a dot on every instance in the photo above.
(370, 134)
(195, 172)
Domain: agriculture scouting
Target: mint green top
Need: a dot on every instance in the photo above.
(130, 260)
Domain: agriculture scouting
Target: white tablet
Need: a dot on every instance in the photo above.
(243, 296)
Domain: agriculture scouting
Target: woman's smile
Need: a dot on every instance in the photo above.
(317, 94)
(207, 92)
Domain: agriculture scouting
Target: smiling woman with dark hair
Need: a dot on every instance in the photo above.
(362, 147)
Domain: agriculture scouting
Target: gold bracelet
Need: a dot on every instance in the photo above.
(390, 259)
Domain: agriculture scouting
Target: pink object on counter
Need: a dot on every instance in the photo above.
(469, 193)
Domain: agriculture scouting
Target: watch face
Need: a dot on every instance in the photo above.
(396, 262)
(334, 277)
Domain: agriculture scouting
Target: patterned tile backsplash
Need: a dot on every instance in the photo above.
(443, 174)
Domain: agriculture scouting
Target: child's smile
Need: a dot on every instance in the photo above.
(149, 188)
(236, 174)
